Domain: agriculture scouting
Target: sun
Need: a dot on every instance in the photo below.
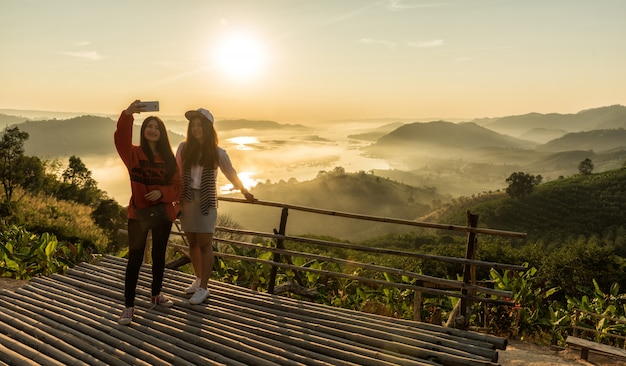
(240, 56)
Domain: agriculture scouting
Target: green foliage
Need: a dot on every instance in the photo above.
(29, 176)
(533, 313)
(609, 304)
(110, 216)
(581, 205)
(585, 167)
(66, 220)
(77, 173)
(11, 159)
(24, 255)
(338, 190)
(575, 263)
(522, 184)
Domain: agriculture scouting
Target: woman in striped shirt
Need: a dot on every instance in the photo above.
(198, 159)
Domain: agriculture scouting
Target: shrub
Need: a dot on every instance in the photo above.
(24, 255)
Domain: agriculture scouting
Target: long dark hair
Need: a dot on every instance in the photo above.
(163, 147)
(205, 153)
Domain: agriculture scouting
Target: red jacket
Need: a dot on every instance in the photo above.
(144, 176)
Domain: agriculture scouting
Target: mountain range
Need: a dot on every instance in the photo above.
(603, 118)
(472, 155)
(568, 132)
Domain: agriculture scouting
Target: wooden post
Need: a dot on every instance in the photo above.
(584, 354)
(280, 245)
(417, 306)
(576, 322)
(469, 272)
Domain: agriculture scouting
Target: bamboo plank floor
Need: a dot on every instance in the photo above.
(71, 319)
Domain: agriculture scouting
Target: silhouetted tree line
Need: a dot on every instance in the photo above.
(37, 176)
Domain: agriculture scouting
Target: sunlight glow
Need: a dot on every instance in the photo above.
(240, 56)
(243, 142)
(245, 177)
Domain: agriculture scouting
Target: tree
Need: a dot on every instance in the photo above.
(31, 174)
(77, 174)
(11, 155)
(111, 217)
(585, 167)
(78, 185)
(522, 184)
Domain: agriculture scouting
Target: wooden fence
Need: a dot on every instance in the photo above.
(468, 290)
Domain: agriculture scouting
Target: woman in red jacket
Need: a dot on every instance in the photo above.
(154, 180)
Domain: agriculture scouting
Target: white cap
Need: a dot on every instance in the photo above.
(200, 112)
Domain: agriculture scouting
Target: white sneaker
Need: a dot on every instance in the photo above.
(161, 300)
(199, 296)
(194, 286)
(127, 316)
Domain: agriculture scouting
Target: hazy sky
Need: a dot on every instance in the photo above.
(305, 61)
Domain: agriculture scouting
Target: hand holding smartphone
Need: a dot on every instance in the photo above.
(150, 106)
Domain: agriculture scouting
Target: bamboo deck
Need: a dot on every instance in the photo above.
(71, 319)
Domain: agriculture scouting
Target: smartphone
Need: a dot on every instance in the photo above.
(152, 106)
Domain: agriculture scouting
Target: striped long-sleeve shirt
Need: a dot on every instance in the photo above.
(205, 179)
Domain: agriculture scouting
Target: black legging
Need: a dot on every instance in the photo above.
(137, 245)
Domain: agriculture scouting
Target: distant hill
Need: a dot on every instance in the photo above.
(79, 136)
(236, 124)
(478, 156)
(542, 135)
(338, 191)
(591, 119)
(46, 115)
(565, 162)
(376, 133)
(94, 135)
(596, 140)
(565, 208)
(7, 120)
(440, 137)
(73, 136)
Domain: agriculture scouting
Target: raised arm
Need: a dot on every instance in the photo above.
(123, 135)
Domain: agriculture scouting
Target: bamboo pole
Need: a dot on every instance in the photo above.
(244, 336)
(20, 318)
(11, 357)
(229, 304)
(495, 342)
(417, 306)
(372, 281)
(226, 303)
(361, 360)
(82, 327)
(51, 354)
(188, 331)
(363, 248)
(141, 334)
(367, 320)
(347, 327)
(17, 353)
(279, 244)
(454, 284)
(462, 320)
(380, 219)
(246, 296)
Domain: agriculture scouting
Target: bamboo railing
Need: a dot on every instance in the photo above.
(468, 290)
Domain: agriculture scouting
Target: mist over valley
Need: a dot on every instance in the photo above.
(383, 168)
